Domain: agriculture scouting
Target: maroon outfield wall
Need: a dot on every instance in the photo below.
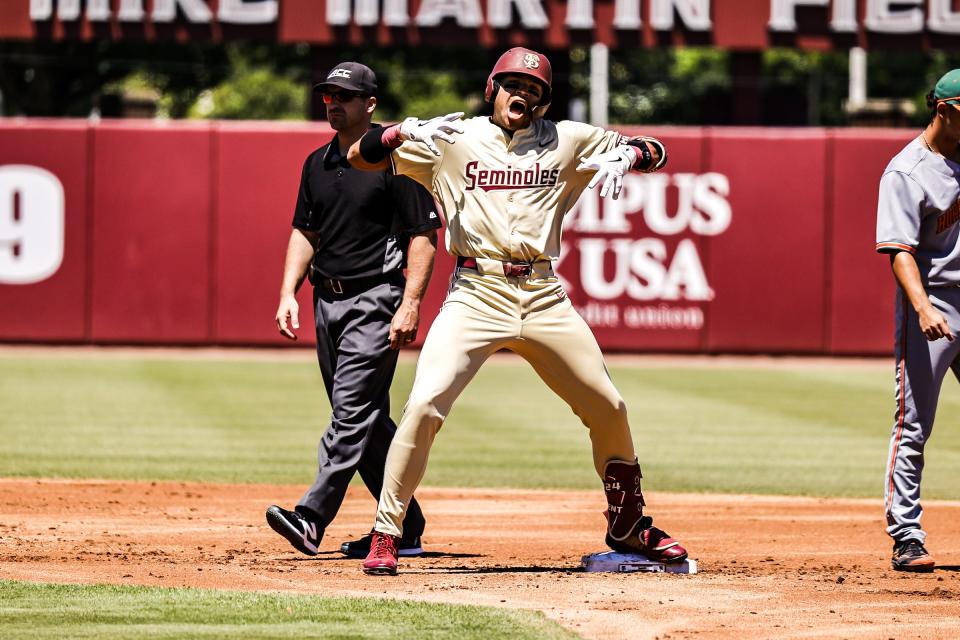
(753, 241)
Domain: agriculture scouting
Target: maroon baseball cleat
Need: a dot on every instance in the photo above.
(628, 530)
(655, 544)
(360, 548)
(382, 559)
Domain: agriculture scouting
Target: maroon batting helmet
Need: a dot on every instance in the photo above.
(524, 62)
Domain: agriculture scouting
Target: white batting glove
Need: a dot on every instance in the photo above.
(610, 167)
(426, 131)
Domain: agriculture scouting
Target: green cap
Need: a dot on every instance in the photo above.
(948, 87)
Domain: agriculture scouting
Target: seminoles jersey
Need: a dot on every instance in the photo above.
(918, 212)
(505, 198)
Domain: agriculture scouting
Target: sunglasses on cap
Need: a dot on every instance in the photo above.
(341, 97)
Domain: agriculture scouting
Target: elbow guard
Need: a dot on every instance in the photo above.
(645, 161)
(376, 144)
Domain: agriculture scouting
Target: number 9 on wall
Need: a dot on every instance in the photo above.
(31, 224)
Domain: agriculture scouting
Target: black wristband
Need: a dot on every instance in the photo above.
(372, 148)
(645, 155)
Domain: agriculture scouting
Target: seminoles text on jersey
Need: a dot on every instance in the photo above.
(536, 177)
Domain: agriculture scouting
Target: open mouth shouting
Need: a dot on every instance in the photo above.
(517, 109)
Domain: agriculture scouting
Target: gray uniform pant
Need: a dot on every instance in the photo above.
(357, 363)
(921, 367)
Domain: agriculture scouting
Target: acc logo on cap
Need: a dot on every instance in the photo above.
(531, 61)
(339, 73)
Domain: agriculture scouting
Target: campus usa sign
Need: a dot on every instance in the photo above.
(635, 262)
(547, 23)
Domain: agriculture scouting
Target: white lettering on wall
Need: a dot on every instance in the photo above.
(648, 316)
(240, 12)
(695, 14)
(31, 224)
(942, 18)
(656, 216)
(41, 9)
(197, 11)
(626, 14)
(367, 12)
(711, 213)
(131, 11)
(844, 19)
(883, 17)
(338, 12)
(702, 205)
(532, 15)
(580, 13)
(466, 12)
(644, 268)
(783, 13)
(194, 10)
(395, 13)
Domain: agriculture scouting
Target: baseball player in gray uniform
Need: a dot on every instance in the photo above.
(917, 216)
(505, 183)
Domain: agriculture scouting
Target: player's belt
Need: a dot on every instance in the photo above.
(508, 268)
(354, 285)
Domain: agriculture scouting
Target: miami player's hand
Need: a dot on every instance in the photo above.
(933, 325)
(610, 167)
(427, 131)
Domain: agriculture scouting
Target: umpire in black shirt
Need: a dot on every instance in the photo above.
(354, 232)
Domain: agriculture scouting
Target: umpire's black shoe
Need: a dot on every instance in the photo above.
(305, 535)
(361, 548)
(909, 555)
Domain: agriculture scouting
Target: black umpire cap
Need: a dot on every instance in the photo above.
(351, 76)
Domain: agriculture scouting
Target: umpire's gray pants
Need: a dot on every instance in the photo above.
(921, 367)
(357, 363)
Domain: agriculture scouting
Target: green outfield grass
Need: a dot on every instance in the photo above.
(810, 430)
(37, 611)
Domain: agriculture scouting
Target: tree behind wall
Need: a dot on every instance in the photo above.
(243, 80)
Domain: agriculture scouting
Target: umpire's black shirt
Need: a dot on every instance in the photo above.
(364, 218)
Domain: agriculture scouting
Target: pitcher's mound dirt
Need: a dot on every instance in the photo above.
(771, 567)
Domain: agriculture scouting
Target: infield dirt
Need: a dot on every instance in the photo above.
(771, 567)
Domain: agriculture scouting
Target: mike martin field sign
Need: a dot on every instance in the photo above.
(554, 23)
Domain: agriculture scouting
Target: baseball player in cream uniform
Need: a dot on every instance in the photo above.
(505, 183)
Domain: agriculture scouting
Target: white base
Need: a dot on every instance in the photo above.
(614, 562)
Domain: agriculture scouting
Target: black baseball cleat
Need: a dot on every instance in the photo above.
(909, 555)
(303, 534)
(361, 548)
